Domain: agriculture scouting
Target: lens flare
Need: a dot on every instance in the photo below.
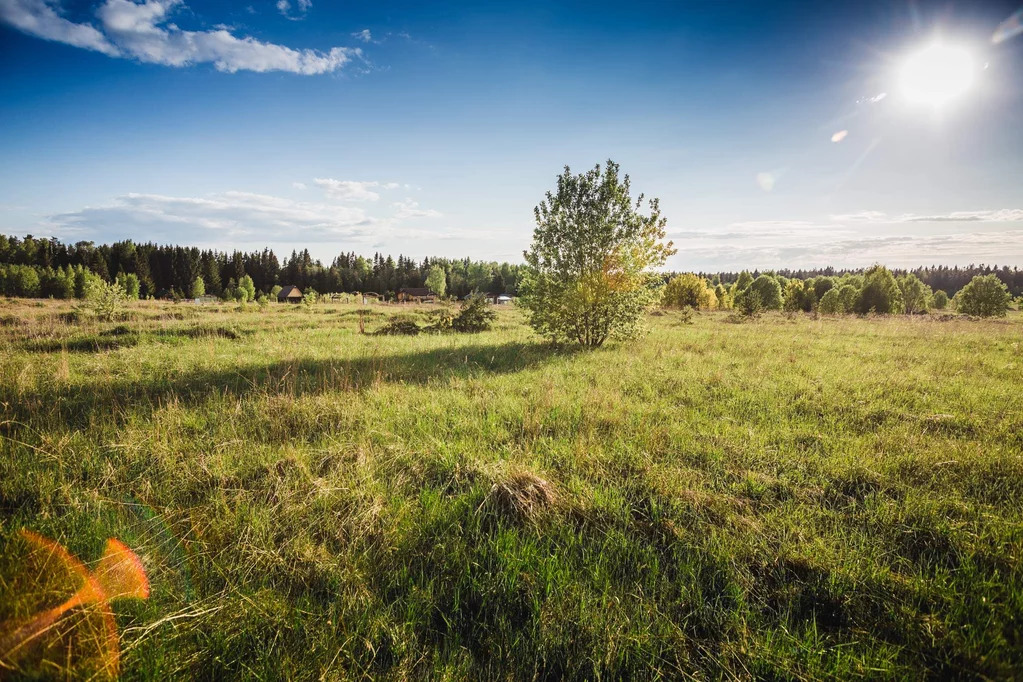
(839, 136)
(119, 574)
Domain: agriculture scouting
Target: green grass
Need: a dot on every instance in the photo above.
(792, 498)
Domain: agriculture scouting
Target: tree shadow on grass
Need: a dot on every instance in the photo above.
(78, 405)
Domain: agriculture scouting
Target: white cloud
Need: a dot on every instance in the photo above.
(284, 7)
(299, 185)
(39, 19)
(141, 31)
(409, 208)
(1004, 215)
(234, 218)
(364, 35)
(353, 190)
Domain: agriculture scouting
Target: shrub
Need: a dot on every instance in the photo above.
(848, 294)
(310, 297)
(831, 303)
(442, 319)
(246, 285)
(688, 291)
(399, 325)
(880, 292)
(983, 296)
(916, 295)
(474, 316)
(588, 274)
(939, 300)
(768, 290)
(749, 304)
(103, 300)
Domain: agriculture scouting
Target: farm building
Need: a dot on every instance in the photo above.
(416, 295)
(289, 294)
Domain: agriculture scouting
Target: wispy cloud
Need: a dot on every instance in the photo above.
(300, 8)
(353, 190)
(1004, 215)
(408, 208)
(142, 31)
(236, 217)
(364, 35)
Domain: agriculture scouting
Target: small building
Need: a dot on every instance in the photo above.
(416, 295)
(289, 294)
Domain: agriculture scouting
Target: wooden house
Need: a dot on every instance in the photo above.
(289, 294)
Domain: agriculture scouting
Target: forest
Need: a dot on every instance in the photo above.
(34, 267)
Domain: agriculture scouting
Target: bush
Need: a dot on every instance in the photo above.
(103, 300)
(831, 303)
(748, 305)
(939, 300)
(880, 292)
(768, 291)
(916, 296)
(399, 325)
(474, 316)
(442, 319)
(688, 291)
(984, 296)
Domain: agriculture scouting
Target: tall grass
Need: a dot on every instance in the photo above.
(789, 498)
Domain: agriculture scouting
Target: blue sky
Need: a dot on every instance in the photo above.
(424, 129)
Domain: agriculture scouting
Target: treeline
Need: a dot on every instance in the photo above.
(937, 277)
(44, 267)
(874, 290)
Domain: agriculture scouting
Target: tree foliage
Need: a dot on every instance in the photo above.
(588, 274)
(984, 296)
(436, 280)
(916, 296)
(688, 291)
(474, 315)
(880, 292)
(768, 290)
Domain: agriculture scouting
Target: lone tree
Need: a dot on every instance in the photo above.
(588, 271)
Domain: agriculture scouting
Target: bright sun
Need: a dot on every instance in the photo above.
(936, 74)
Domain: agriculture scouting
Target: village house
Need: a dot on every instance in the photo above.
(416, 295)
(289, 294)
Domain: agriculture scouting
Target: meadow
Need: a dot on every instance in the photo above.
(796, 497)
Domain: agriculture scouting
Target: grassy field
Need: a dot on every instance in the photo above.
(793, 498)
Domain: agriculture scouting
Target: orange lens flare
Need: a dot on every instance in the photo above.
(118, 574)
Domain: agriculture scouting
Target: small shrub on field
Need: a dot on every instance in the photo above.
(103, 300)
(748, 305)
(686, 315)
(474, 316)
(399, 325)
(442, 319)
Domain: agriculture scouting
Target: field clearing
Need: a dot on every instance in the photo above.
(792, 498)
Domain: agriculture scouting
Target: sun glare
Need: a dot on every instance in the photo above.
(936, 74)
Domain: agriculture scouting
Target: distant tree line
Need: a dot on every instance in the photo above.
(937, 277)
(874, 290)
(35, 267)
